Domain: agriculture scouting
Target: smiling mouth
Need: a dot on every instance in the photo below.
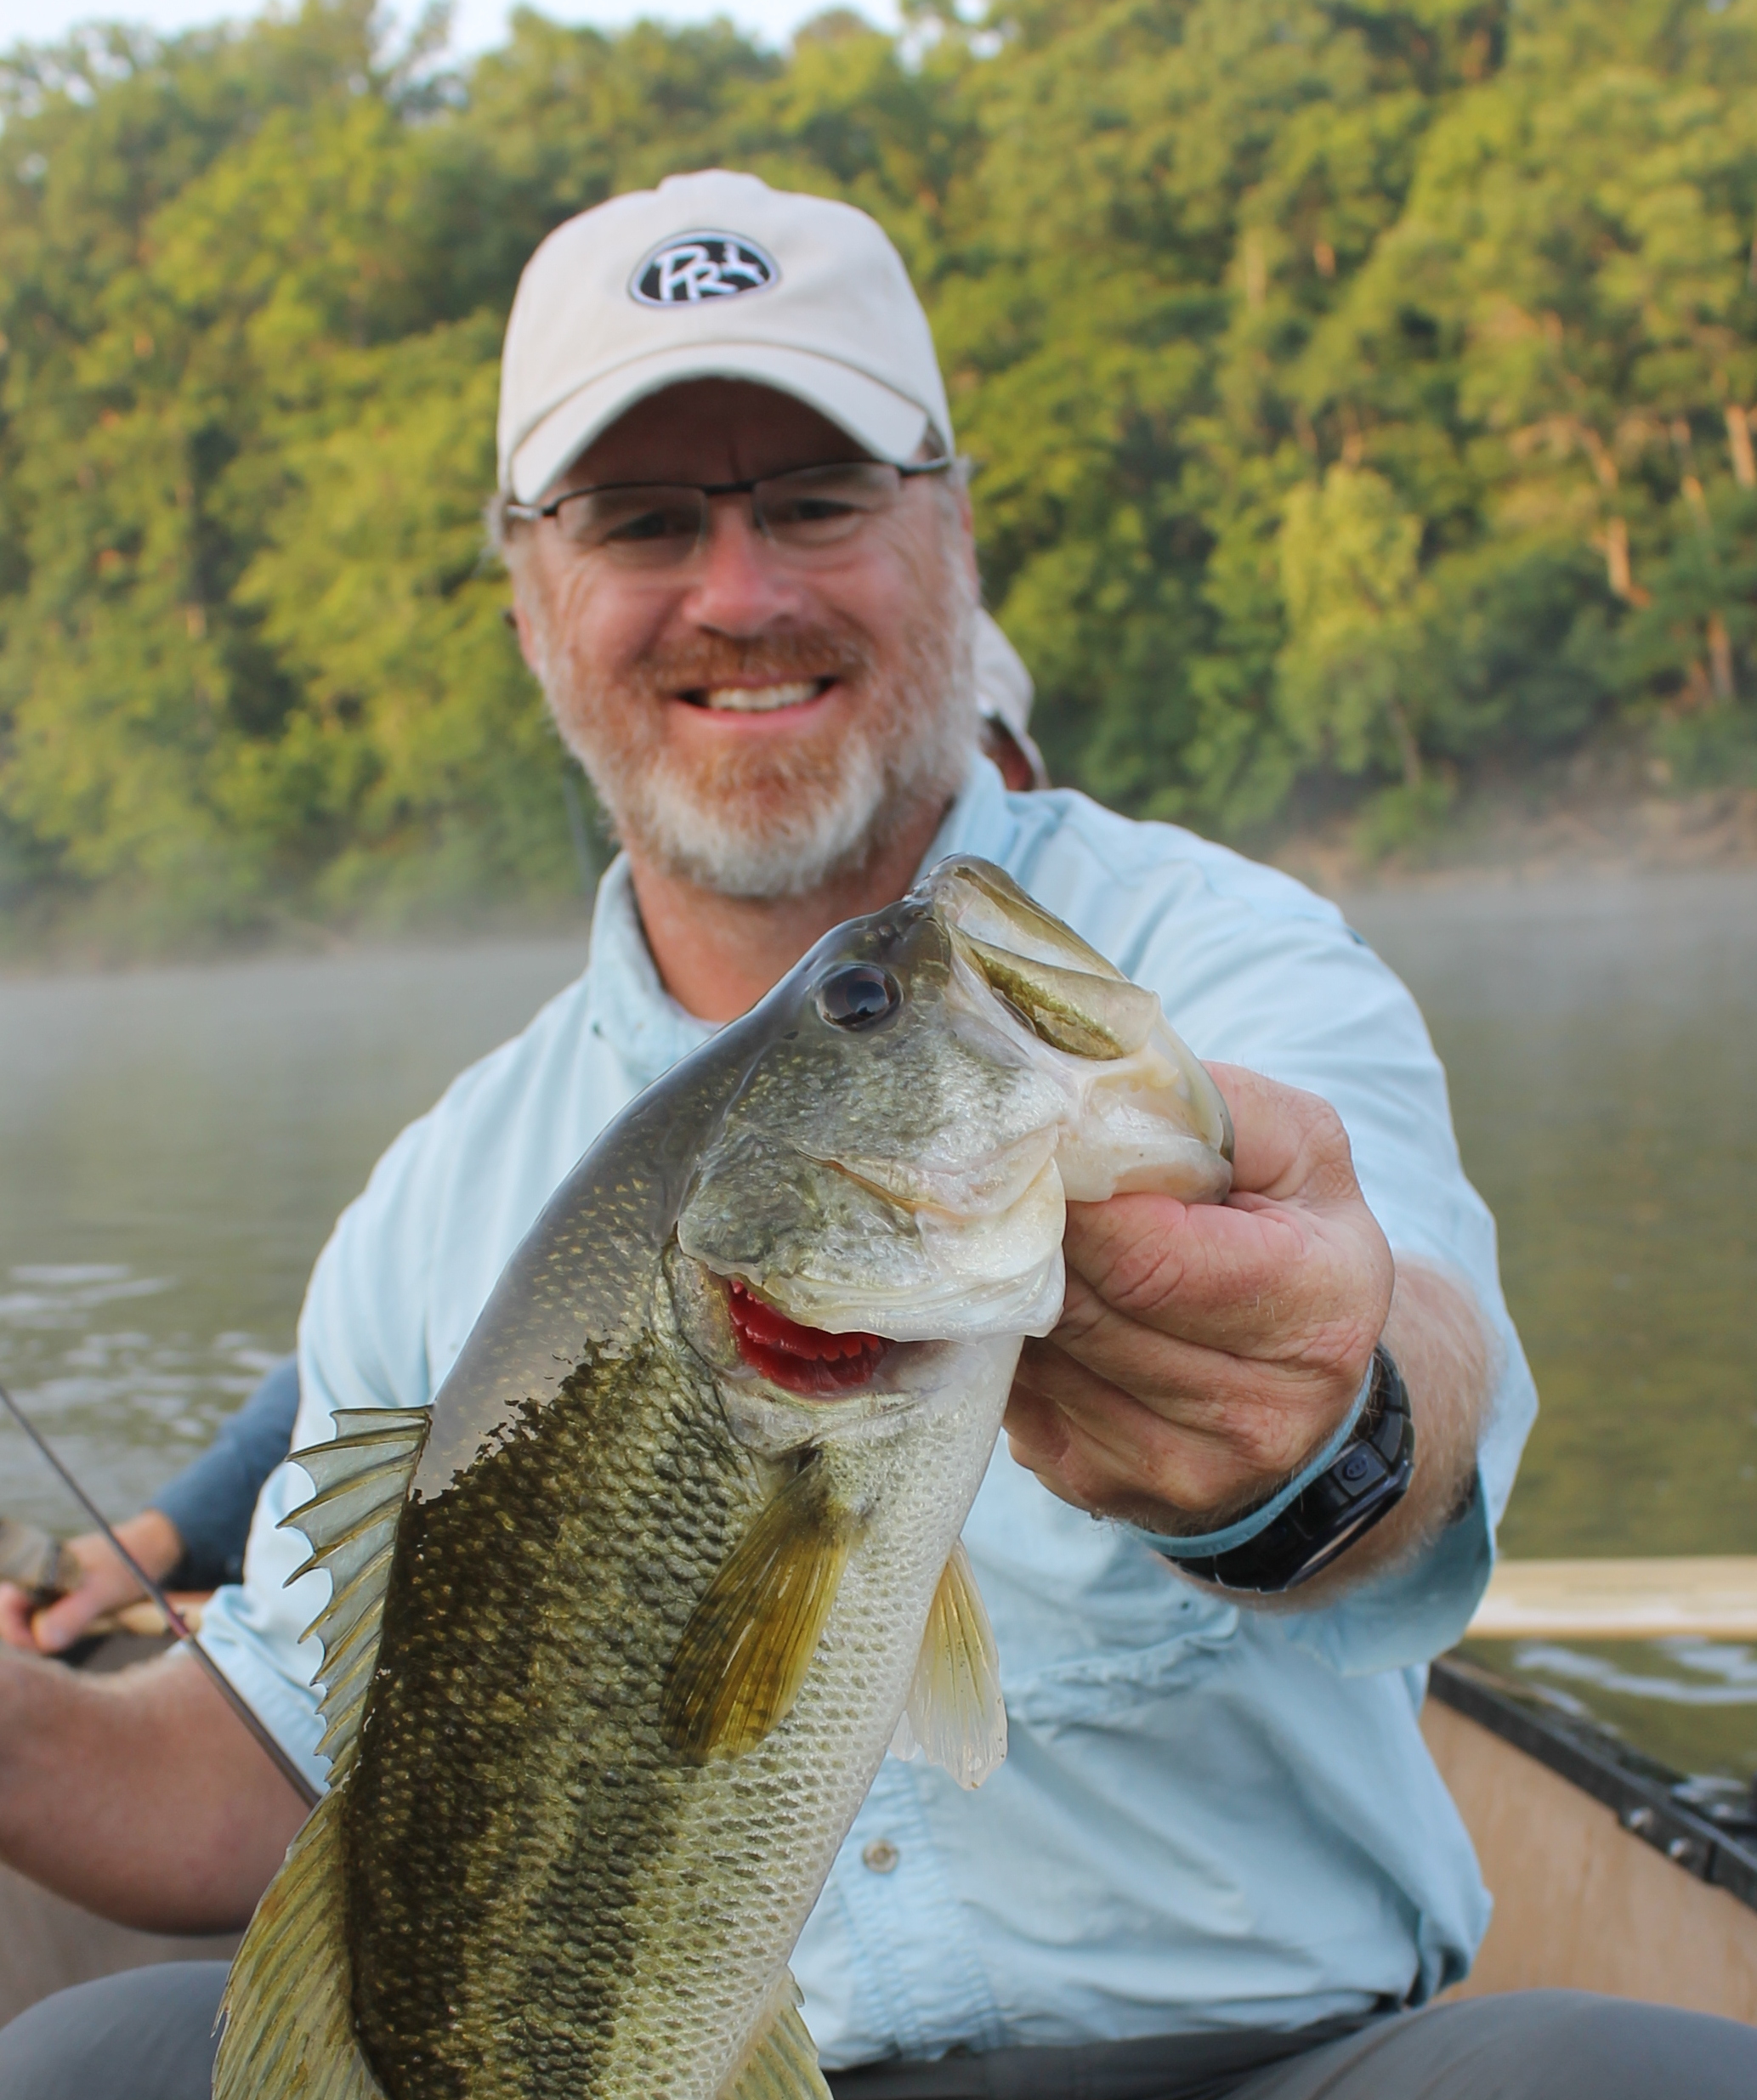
(802, 1359)
(767, 700)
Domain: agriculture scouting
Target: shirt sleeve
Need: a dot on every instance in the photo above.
(1275, 981)
(211, 1501)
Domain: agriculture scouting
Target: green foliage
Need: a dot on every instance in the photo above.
(1359, 393)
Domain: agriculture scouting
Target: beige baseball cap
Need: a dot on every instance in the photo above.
(713, 276)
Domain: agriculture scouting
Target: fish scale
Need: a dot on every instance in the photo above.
(566, 1606)
(604, 1709)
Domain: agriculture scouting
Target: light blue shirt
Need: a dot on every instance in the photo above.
(1207, 1817)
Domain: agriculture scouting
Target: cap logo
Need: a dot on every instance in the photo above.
(690, 268)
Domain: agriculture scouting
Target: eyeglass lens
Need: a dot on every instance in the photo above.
(652, 526)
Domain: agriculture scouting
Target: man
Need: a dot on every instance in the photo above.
(1218, 1858)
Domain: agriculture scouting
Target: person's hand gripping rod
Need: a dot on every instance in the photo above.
(173, 1618)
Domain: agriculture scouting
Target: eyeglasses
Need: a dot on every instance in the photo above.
(814, 511)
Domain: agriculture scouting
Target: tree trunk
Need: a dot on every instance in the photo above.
(1720, 659)
(1614, 542)
(1738, 443)
(1408, 750)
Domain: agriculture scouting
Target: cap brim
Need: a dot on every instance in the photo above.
(879, 420)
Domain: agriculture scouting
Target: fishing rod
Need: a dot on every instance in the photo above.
(173, 1618)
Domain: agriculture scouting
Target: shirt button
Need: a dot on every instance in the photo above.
(880, 1856)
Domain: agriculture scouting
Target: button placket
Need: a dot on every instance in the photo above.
(906, 1924)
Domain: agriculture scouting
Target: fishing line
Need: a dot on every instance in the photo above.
(173, 1618)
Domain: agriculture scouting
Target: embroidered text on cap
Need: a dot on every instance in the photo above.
(690, 268)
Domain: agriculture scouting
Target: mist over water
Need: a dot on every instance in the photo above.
(1599, 1039)
(175, 1146)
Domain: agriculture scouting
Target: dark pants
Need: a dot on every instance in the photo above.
(148, 2035)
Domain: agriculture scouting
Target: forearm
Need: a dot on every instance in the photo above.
(138, 1795)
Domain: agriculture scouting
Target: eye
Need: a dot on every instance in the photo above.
(858, 995)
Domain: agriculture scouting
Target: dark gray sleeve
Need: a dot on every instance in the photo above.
(213, 1501)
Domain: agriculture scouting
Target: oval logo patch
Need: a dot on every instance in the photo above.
(690, 268)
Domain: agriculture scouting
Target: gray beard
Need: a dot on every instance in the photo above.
(829, 829)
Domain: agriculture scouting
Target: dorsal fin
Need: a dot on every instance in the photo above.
(362, 1480)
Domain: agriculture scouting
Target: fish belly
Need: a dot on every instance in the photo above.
(757, 1835)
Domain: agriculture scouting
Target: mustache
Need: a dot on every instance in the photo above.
(779, 659)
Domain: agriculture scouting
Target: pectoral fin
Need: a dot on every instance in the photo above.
(749, 1641)
(783, 2062)
(956, 1716)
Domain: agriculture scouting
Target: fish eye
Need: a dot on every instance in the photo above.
(858, 995)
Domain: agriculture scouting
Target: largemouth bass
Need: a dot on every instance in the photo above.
(621, 1632)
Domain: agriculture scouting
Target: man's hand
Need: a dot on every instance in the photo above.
(1206, 1352)
(105, 1585)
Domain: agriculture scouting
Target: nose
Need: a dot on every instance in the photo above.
(737, 585)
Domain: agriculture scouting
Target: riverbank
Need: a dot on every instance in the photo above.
(1589, 826)
(1601, 820)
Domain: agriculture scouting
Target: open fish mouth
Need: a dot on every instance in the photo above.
(930, 1090)
(811, 1362)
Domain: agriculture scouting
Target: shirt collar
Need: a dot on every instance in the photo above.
(630, 1006)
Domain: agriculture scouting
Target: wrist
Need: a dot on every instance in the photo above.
(1196, 1539)
(1252, 1503)
(1360, 1476)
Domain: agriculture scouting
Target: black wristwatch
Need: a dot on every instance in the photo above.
(1366, 1480)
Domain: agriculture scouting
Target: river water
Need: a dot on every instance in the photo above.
(175, 1143)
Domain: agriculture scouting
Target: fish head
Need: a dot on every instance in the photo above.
(924, 1092)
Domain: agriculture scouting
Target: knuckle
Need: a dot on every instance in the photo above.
(1144, 1272)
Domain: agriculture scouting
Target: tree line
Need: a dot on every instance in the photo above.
(1362, 401)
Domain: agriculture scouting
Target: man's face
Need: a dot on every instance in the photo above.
(752, 722)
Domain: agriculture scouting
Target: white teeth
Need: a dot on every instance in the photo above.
(761, 700)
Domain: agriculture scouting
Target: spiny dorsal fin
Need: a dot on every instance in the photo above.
(783, 2061)
(362, 1481)
(288, 2004)
(749, 1641)
(956, 1716)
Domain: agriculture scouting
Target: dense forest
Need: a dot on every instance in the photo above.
(1361, 396)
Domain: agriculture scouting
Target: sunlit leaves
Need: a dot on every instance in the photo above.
(1358, 397)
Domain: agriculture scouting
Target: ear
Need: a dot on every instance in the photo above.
(517, 617)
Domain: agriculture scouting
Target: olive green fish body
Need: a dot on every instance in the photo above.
(619, 1635)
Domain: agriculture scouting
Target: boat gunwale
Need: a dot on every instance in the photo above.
(1641, 1792)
